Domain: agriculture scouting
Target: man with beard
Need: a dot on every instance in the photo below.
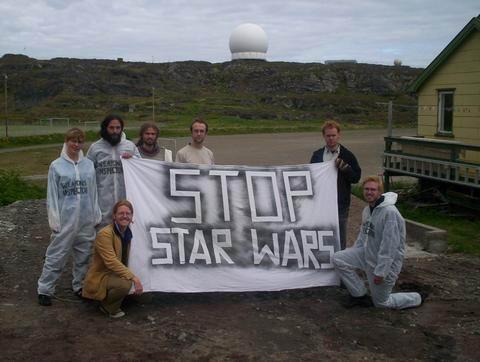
(195, 151)
(148, 146)
(378, 251)
(105, 155)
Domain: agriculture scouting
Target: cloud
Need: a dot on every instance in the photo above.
(304, 30)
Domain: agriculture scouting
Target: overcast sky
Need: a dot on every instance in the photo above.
(370, 31)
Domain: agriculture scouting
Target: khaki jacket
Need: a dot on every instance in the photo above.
(107, 260)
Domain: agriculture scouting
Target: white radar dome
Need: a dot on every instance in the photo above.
(248, 41)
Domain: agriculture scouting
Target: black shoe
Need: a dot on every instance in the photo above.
(423, 290)
(44, 300)
(364, 301)
(78, 293)
(424, 295)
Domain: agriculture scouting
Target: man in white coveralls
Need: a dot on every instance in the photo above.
(73, 213)
(378, 251)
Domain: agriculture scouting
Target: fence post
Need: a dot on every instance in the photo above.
(153, 104)
(390, 119)
(6, 106)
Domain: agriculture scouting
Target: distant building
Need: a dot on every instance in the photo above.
(248, 41)
(341, 61)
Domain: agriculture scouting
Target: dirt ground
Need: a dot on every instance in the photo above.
(308, 324)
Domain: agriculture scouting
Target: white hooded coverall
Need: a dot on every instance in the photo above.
(73, 212)
(109, 170)
(378, 251)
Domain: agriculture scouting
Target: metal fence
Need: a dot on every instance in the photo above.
(52, 125)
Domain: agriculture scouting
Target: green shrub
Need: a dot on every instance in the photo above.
(13, 188)
(357, 191)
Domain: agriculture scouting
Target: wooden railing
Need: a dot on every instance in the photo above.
(433, 159)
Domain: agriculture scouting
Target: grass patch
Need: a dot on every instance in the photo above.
(53, 138)
(463, 235)
(30, 162)
(14, 188)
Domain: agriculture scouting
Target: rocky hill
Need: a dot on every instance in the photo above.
(242, 89)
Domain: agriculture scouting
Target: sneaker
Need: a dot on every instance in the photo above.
(118, 314)
(44, 300)
(364, 301)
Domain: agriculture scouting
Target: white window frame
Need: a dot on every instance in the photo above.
(442, 110)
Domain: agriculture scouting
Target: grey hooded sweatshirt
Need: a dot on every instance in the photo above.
(383, 236)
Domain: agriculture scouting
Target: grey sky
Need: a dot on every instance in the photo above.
(370, 31)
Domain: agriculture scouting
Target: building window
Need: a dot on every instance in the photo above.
(445, 111)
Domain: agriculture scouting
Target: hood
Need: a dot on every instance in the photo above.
(64, 154)
(390, 199)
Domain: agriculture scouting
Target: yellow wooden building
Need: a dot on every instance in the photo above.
(448, 91)
(447, 145)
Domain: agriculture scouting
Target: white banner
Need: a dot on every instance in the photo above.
(204, 228)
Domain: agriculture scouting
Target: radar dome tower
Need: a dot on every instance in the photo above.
(248, 41)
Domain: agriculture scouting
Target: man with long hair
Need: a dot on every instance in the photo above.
(148, 143)
(106, 154)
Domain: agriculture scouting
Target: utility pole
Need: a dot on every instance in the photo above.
(390, 119)
(153, 104)
(6, 109)
(388, 143)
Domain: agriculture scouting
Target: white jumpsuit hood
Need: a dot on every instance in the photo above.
(390, 198)
(82, 192)
(383, 236)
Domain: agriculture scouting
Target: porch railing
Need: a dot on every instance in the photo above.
(447, 161)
